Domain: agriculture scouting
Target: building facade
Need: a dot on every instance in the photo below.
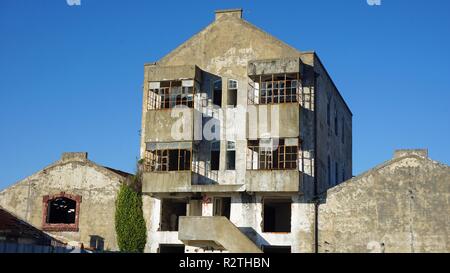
(400, 206)
(239, 132)
(72, 199)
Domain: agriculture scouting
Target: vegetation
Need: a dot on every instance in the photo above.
(130, 224)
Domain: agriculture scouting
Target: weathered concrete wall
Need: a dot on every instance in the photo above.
(169, 126)
(275, 66)
(336, 144)
(400, 206)
(275, 120)
(272, 181)
(163, 73)
(96, 185)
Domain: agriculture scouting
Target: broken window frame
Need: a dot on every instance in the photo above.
(159, 160)
(171, 94)
(69, 227)
(275, 89)
(281, 157)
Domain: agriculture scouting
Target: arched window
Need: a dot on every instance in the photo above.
(61, 212)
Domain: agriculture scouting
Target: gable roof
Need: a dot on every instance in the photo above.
(12, 225)
(398, 157)
(228, 34)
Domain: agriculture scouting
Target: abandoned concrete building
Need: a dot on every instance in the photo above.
(239, 132)
(246, 146)
(72, 199)
(402, 205)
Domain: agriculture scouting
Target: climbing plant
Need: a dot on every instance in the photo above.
(130, 223)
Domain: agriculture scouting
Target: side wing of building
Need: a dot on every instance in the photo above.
(399, 206)
(72, 199)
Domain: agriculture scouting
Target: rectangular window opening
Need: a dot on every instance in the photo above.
(222, 206)
(277, 215)
(171, 210)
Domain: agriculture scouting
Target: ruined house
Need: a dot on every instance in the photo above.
(72, 199)
(239, 132)
(401, 205)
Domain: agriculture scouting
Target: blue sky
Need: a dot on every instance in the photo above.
(71, 76)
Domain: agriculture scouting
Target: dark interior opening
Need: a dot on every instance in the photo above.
(232, 97)
(222, 206)
(215, 159)
(171, 248)
(171, 210)
(173, 160)
(277, 216)
(231, 160)
(217, 93)
(276, 249)
(61, 211)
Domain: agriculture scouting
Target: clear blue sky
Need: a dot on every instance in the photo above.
(71, 76)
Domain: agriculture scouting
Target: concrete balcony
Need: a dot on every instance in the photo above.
(167, 182)
(272, 180)
(182, 182)
(274, 66)
(171, 125)
(214, 232)
(274, 120)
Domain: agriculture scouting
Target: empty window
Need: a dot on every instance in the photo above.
(61, 211)
(232, 93)
(171, 210)
(222, 206)
(276, 249)
(217, 93)
(168, 160)
(231, 155)
(277, 215)
(171, 248)
(168, 94)
(215, 155)
(267, 154)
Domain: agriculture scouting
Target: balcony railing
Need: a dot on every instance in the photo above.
(168, 94)
(267, 156)
(274, 89)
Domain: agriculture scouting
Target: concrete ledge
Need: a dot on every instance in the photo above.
(277, 120)
(166, 182)
(164, 73)
(273, 180)
(274, 66)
